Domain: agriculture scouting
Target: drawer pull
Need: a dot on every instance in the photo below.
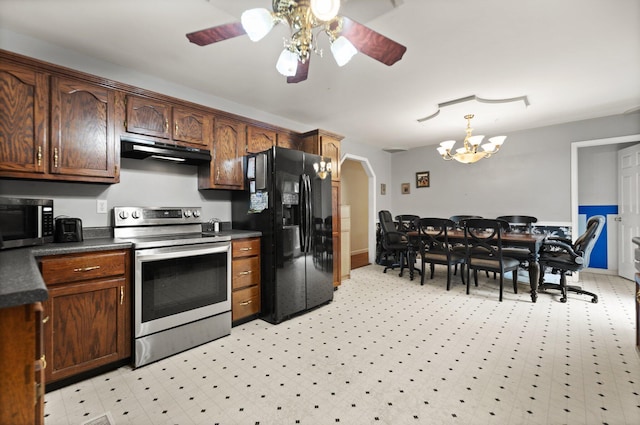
(45, 320)
(245, 249)
(121, 295)
(246, 302)
(244, 273)
(43, 362)
(86, 269)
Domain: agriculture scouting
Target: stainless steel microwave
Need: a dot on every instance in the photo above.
(25, 222)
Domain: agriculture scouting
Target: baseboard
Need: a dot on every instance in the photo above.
(360, 259)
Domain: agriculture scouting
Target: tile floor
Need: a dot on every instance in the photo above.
(388, 351)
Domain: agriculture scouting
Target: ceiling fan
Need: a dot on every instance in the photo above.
(347, 37)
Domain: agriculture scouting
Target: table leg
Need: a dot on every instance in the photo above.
(534, 275)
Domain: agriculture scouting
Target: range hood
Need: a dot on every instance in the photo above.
(143, 149)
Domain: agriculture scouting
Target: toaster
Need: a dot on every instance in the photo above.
(68, 229)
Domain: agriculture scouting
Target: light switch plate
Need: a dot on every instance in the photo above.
(101, 206)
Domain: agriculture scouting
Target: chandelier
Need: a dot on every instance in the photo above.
(303, 16)
(322, 169)
(469, 153)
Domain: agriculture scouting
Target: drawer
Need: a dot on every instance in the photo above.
(245, 302)
(245, 272)
(246, 247)
(76, 267)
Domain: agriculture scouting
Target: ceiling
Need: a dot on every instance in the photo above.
(572, 59)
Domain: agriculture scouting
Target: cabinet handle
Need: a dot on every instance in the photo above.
(55, 157)
(176, 128)
(246, 302)
(43, 362)
(245, 273)
(166, 125)
(39, 156)
(121, 295)
(86, 269)
(246, 249)
(45, 320)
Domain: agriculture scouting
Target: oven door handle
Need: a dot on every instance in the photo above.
(152, 254)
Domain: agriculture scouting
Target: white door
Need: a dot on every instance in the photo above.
(628, 207)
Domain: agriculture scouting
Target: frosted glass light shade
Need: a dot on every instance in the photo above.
(498, 140)
(475, 140)
(287, 64)
(441, 150)
(257, 23)
(325, 10)
(342, 50)
(488, 147)
(448, 144)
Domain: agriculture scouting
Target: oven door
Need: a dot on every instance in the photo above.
(180, 284)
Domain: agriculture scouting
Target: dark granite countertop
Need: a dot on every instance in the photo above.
(20, 279)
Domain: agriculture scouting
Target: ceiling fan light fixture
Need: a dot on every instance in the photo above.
(287, 64)
(325, 10)
(342, 50)
(257, 23)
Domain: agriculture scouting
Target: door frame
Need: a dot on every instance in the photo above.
(574, 170)
(368, 169)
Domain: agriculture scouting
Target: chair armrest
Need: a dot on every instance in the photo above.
(566, 247)
(558, 238)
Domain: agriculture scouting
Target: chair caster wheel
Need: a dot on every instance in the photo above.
(563, 300)
(594, 300)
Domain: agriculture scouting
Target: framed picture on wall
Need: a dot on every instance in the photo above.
(406, 188)
(422, 179)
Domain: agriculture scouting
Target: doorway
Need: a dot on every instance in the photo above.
(366, 185)
(575, 204)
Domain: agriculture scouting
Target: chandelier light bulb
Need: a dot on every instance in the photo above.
(342, 50)
(287, 64)
(257, 23)
(325, 10)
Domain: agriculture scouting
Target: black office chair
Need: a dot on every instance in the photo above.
(483, 240)
(562, 257)
(434, 247)
(394, 243)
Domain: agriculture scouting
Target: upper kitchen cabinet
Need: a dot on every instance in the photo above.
(259, 139)
(55, 128)
(82, 130)
(24, 118)
(225, 169)
(289, 141)
(327, 144)
(163, 120)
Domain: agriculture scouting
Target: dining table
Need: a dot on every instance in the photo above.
(530, 241)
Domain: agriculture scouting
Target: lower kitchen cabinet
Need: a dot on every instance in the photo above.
(21, 365)
(88, 314)
(245, 279)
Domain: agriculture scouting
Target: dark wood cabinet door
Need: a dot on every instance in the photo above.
(259, 139)
(82, 129)
(24, 106)
(335, 232)
(86, 327)
(226, 169)
(192, 126)
(148, 117)
(289, 141)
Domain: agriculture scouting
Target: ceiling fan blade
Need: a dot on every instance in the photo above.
(301, 72)
(371, 43)
(215, 34)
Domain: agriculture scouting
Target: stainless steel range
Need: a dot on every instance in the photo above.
(182, 280)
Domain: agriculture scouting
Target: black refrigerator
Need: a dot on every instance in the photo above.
(290, 204)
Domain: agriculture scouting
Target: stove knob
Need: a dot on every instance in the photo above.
(187, 213)
(196, 213)
(135, 214)
(124, 215)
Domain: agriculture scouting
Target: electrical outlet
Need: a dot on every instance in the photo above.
(101, 206)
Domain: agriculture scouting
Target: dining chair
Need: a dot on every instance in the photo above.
(434, 247)
(563, 257)
(406, 222)
(394, 243)
(459, 225)
(518, 224)
(484, 251)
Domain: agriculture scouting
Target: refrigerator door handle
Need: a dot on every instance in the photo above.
(303, 214)
(309, 213)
